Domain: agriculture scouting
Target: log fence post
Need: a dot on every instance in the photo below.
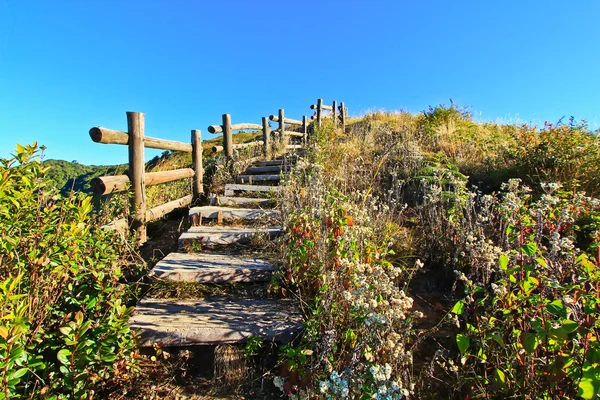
(197, 163)
(334, 114)
(282, 126)
(304, 129)
(343, 116)
(137, 215)
(319, 111)
(227, 136)
(266, 138)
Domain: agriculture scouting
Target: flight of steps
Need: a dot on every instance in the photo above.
(210, 321)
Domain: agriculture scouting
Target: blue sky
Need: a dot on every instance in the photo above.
(66, 66)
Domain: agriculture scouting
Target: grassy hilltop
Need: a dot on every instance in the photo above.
(434, 256)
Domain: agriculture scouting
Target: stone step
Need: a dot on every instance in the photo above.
(266, 169)
(250, 179)
(233, 214)
(172, 322)
(213, 268)
(225, 235)
(240, 201)
(230, 188)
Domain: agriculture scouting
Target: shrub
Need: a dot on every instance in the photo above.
(63, 331)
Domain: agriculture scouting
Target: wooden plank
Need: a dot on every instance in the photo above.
(241, 201)
(197, 163)
(158, 212)
(135, 129)
(172, 322)
(211, 236)
(230, 188)
(262, 170)
(213, 268)
(109, 136)
(234, 214)
(250, 179)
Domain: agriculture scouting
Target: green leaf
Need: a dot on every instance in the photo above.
(503, 261)
(569, 326)
(17, 374)
(458, 307)
(462, 342)
(500, 378)
(558, 308)
(529, 285)
(63, 356)
(588, 388)
(529, 341)
(530, 249)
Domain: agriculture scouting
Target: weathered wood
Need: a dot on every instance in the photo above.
(213, 268)
(293, 146)
(287, 120)
(158, 212)
(211, 236)
(246, 126)
(109, 136)
(304, 129)
(319, 112)
(227, 136)
(112, 184)
(343, 116)
(197, 163)
(334, 114)
(250, 179)
(230, 188)
(233, 213)
(135, 128)
(321, 106)
(249, 144)
(119, 225)
(282, 124)
(262, 170)
(327, 108)
(219, 217)
(266, 138)
(170, 322)
(217, 149)
(215, 129)
(241, 201)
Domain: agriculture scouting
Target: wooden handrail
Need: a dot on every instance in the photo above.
(235, 127)
(288, 121)
(109, 136)
(112, 184)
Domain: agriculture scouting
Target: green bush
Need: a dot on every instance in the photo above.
(63, 331)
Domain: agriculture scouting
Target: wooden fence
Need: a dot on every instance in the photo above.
(337, 112)
(136, 178)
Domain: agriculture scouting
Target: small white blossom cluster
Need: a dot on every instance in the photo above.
(335, 387)
(387, 389)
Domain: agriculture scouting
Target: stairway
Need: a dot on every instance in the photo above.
(209, 254)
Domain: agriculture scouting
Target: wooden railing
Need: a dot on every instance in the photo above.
(137, 179)
(334, 108)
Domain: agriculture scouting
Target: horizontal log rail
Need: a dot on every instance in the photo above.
(235, 127)
(288, 121)
(113, 184)
(323, 107)
(109, 136)
(218, 149)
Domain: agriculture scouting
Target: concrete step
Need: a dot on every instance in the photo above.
(211, 236)
(213, 268)
(231, 188)
(241, 201)
(262, 170)
(172, 322)
(233, 214)
(250, 179)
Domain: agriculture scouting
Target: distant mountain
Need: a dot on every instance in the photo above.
(67, 176)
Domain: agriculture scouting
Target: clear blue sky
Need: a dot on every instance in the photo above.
(66, 66)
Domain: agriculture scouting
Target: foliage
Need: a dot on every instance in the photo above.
(63, 331)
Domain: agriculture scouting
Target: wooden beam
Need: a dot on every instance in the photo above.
(343, 116)
(158, 212)
(197, 163)
(118, 183)
(266, 138)
(281, 124)
(293, 146)
(249, 144)
(245, 126)
(322, 107)
(215, 129)
(135, 128)
(217, 149)
(109, 136)
(227, 136)
(319, 112)
(333, 114)
(304, 129)
(287, 120)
